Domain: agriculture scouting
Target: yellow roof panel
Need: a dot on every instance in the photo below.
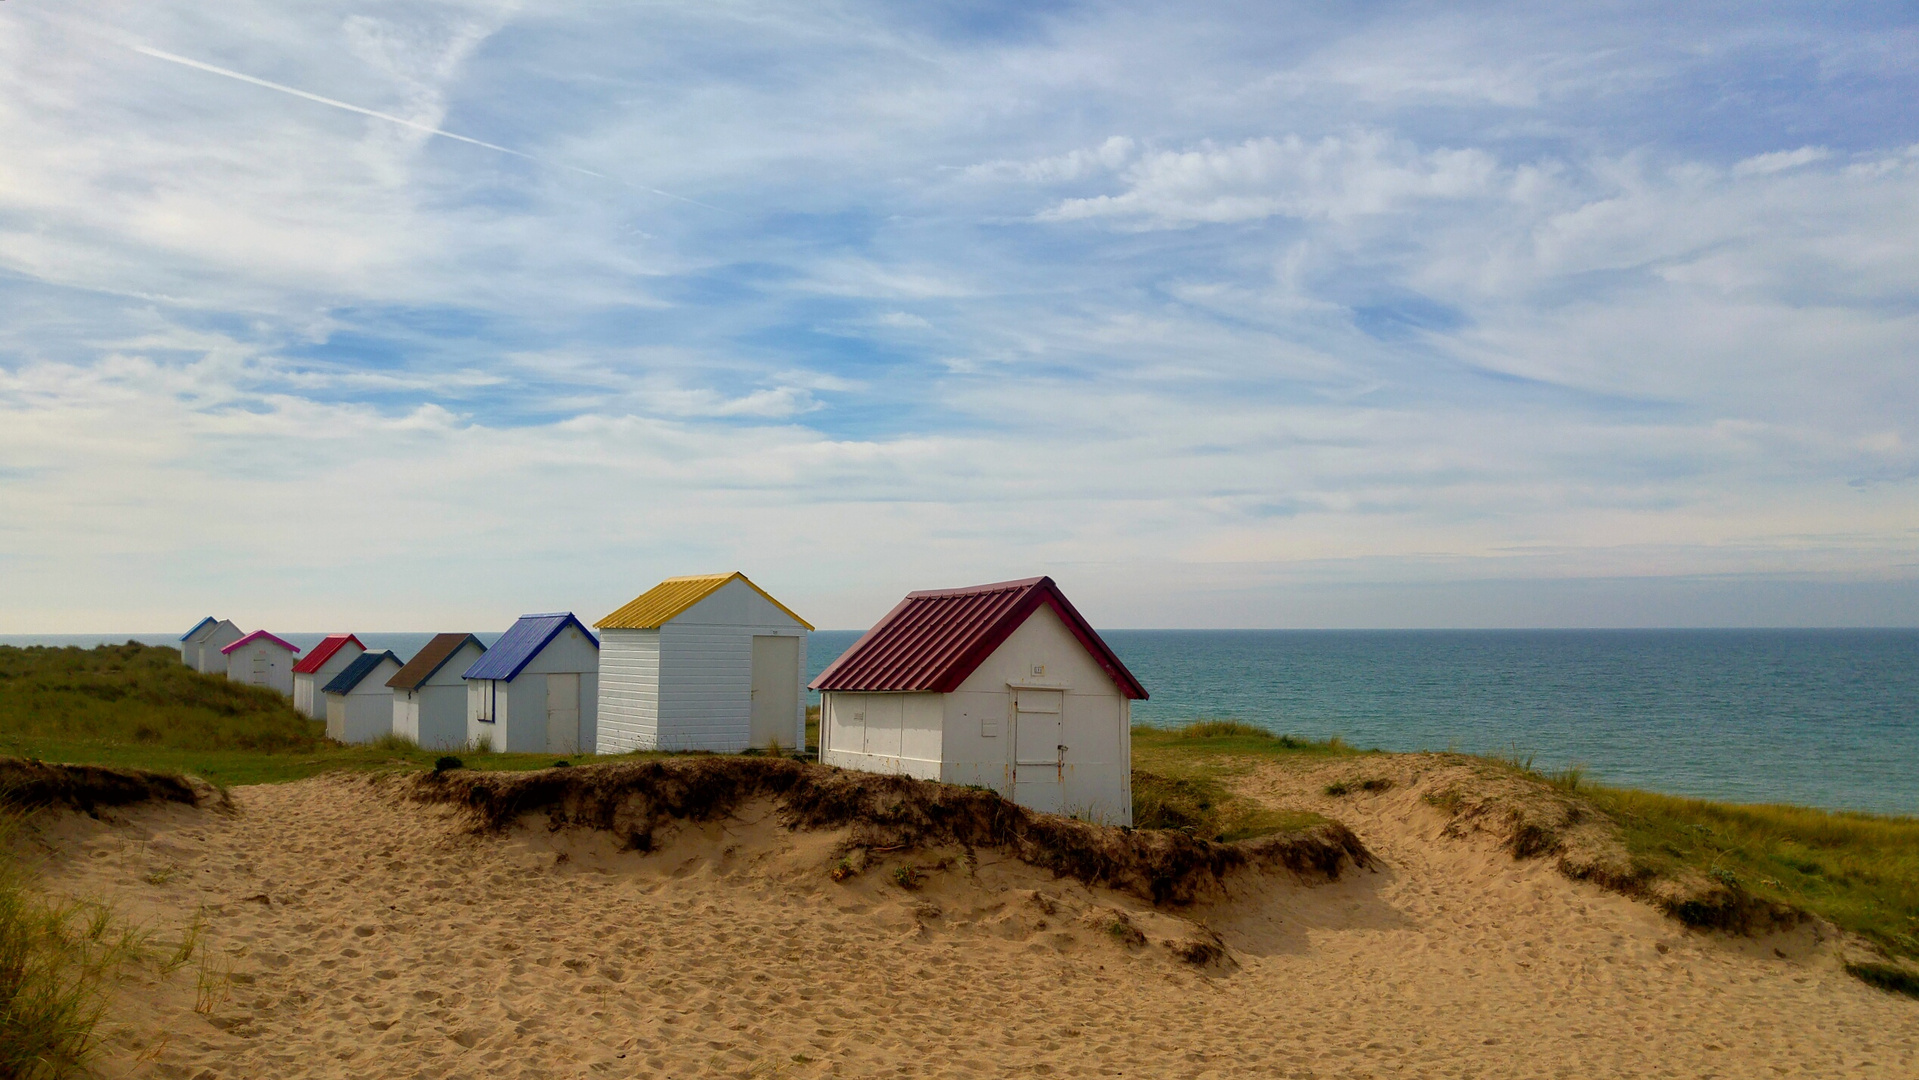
(666, 601)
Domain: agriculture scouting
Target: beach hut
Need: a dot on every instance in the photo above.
(200, 647)
(1003, 685)
(260, 659)
(702, 663)
(536, 690)
(317, 668)
(359, 705)
(429, 696)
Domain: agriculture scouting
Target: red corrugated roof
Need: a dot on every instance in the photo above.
(934, 639)
(323, 652)
(258, 635)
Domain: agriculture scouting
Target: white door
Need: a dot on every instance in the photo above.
(259, 669)
(1038, 758)
(776, 690)
(563, 713)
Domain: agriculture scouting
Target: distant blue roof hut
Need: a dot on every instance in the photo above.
(536, 689)
(200, 647)
(359, 704)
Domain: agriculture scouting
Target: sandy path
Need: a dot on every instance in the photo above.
(370, 938)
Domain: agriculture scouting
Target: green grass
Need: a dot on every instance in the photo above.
(1859, 871)
(1202, 806)
(1223, 743)
(1177, 779)
(138, 706)
(57, 964)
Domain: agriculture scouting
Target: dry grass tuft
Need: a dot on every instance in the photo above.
(57, 963)
(32, 785)
(637, 800)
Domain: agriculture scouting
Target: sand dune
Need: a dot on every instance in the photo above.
(367, 936)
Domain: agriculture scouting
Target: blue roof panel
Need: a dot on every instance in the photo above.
(196, 628)
(521, 643)
(351, 675)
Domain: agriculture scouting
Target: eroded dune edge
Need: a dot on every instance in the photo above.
(637, 801)
(571, 923)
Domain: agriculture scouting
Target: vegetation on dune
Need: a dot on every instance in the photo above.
(1201, 806)
(643, 801)
(1177, 779)
(1227, 738)
(137, 706)
(1858, 871)
(1707, 863)
(59, 958)
(57, 963)
(140, 695)
(1742, 868)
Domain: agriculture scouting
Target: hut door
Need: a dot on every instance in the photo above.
(563, 713)
(259, 669)
(1038, 757)
(776, 690)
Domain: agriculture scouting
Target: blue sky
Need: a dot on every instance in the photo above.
(1223, 315)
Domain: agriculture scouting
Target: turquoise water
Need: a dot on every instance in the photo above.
(1816, 717)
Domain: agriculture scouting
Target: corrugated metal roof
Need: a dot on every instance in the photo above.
(430, 659)
(664, 602)
(257, 635)
(521, 643)
(197, 626)
(355, 673)
(933, 640)
(324, 651)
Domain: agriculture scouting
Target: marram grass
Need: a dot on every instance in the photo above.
(58, 961)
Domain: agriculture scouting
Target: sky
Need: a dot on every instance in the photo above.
(417, 316)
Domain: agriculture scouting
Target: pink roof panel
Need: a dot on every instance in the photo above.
(258, 635)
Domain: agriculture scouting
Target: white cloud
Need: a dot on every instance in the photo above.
(1780, 161)
(1060, 168)
(1470, 308)
(1335, 177)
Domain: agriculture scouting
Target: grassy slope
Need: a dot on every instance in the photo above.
(1858, 871)
(1178, 774)
(137, 705)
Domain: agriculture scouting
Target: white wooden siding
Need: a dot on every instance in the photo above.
(629, 690)
(335, 664)
(698, 671)
(968, 736)
(883, 733)
(276, 671)
(364, 713)
(439, 708)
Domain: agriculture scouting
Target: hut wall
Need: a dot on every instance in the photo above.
(629, 705)
(1095, 724)
(883, 732)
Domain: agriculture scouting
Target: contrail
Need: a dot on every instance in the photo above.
(403, 122)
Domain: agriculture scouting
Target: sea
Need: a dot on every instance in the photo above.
(1826, 718)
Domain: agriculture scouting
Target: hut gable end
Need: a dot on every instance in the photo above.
(1042, 640)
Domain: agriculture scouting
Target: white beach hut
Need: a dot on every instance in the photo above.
(260, 659)
(429, 696)
(359, 705)
(702, 663)
(200, 647)
(317, 668)
(537, 689)
(1005, 686)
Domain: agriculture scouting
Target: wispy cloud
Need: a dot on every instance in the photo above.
(1166, 301)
